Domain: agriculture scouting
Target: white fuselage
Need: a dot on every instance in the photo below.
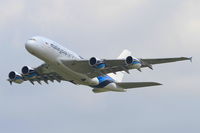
(52, 53)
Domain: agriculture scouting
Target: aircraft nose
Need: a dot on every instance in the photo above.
(30, 45)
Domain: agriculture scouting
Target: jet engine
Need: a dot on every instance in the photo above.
(99, 64)
(28, 72)
(15, 77)
(134, 63)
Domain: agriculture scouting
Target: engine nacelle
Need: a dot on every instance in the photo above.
(134, 63)
(97, 63)
(27, 70)
(15, 77)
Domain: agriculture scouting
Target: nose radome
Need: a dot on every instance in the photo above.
(30, 45)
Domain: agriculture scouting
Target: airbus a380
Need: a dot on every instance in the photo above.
(102, 75)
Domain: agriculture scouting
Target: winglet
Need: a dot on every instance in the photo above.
(190, 59)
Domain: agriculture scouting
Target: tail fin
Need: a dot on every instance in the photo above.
(119, 75)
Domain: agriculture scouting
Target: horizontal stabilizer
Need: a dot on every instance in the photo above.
(128, 85)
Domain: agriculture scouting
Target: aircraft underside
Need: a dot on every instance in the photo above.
(102, 75)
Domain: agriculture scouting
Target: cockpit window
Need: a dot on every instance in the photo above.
(33, 39)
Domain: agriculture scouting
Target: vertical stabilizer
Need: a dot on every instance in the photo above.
(119, 75)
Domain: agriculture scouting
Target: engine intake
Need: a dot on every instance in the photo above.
(15, 77)
(129, 60)
(27, 70)
(97, 63)
(93, 61)
(12, 75)
(133, 63)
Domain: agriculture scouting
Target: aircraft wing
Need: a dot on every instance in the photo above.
(82, 66)
(42, 73)
(113, 65)
(150, 62)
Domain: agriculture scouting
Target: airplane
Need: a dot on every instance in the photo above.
(62, 64)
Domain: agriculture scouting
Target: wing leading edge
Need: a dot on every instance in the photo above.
(115, 65)
(162, 60)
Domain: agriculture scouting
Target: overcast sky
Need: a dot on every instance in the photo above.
(103, 28)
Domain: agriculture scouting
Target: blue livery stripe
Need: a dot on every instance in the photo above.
(104, 78)
(103, 81)
(18, 77)
(136, 62)
(31, 75)
(103, 84)
(102, 65)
